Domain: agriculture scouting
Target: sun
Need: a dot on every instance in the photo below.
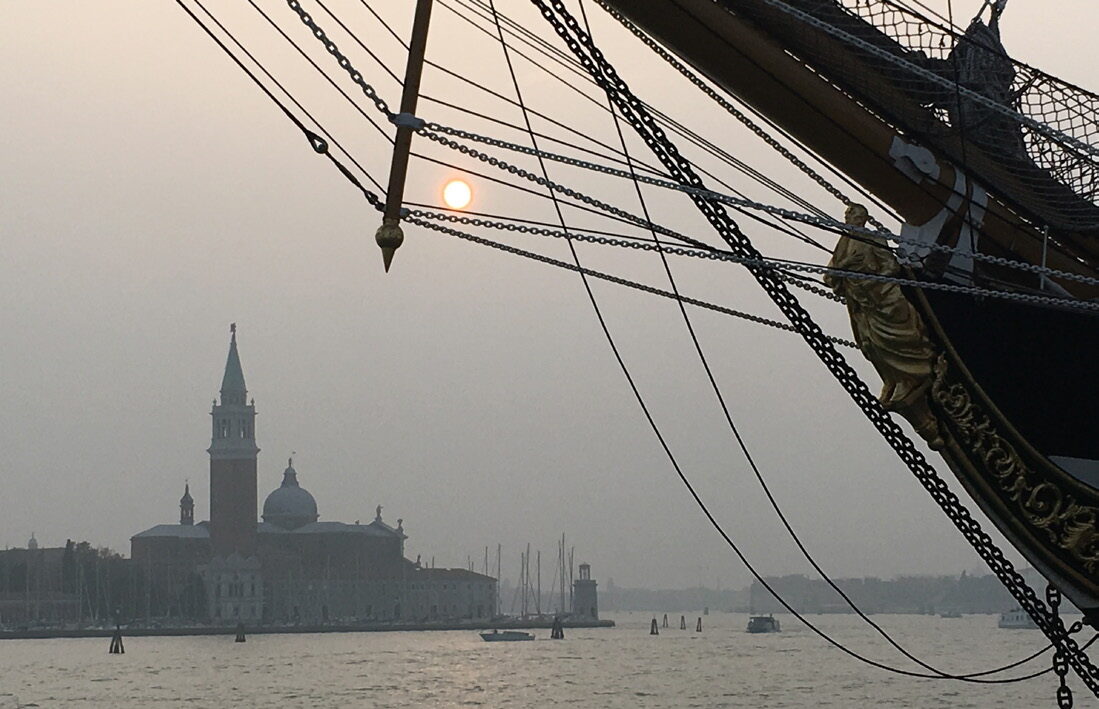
(457, 194)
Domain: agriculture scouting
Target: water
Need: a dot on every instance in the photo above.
(618, 667)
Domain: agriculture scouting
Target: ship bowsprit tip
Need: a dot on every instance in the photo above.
(389, 237)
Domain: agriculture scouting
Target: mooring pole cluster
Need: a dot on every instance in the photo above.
(116, 642)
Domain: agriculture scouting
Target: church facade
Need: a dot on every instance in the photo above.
(290, 566)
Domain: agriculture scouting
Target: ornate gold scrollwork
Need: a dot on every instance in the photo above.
(1068, 524)
(887, 327)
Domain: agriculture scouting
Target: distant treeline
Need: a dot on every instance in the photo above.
(904, 594)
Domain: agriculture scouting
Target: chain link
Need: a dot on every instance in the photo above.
(344, 62)
(732, 110)
(756, 261)
(1060, 663)
(567, 28)
(810, 219)
(421, 218)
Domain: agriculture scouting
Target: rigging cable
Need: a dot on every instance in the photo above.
(740, 439)
(857, 138)
(698, 193)
(317, 142)
(319, 145)
(416, 217)
(674, 125)
(697, 498)
(565, 25)
(697, 81)
(370, 92)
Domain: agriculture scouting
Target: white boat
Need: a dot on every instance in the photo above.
(1017, 619)
(506, 636)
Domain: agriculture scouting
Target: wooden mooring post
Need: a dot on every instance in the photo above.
(682, 622)
(653, 630)
(558, 630)
(665, 620)
(698, 628)
(116, 642)
(240, 633)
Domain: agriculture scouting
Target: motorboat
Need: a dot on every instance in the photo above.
(506, 636)
(1016, 619)
(763, 624)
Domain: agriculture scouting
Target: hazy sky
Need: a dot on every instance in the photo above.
(150, 195)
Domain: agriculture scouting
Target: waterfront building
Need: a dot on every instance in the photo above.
(37, 586)
(291, 567)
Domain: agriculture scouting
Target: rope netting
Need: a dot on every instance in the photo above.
(1031, 137)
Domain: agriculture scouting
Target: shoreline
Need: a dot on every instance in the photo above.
(140, 631)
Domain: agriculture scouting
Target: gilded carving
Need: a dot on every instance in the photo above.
(1070, 525)
(887, 327)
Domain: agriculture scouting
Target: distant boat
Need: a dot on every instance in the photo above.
(763, 624)
(950, 614)
(506, 636)
(1017, 619)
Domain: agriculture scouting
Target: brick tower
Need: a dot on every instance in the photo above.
(233, 463)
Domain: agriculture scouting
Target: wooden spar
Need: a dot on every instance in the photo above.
(736, 55)
(389, 235)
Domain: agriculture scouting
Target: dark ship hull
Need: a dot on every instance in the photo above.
(1015, 389)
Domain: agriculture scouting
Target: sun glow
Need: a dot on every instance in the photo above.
(457, 194)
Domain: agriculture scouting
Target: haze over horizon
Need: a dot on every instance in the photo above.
(152, 195)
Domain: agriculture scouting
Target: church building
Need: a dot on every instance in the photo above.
(291, 567)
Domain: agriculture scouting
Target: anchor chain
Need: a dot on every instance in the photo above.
(1060, 662)
(341, 58)
(634, 112)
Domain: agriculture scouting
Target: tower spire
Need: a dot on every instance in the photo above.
(187, 506)
(233, 390)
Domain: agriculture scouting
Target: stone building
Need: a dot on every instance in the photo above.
(291, 567)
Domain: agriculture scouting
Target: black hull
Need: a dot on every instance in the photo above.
(1038, 365)
(1014, 392)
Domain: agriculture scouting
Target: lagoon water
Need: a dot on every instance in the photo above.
(618, 667)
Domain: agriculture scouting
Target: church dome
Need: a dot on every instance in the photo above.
(290, 506)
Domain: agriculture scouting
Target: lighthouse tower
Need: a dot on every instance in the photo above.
(233, 463)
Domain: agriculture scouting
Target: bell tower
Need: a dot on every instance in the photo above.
(186, 507)
(233, 454)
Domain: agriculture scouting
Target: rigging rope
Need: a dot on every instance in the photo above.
(822, 222)
(771, 264)
(744, 446)
(420, 218)
(566, 27)
(321, 147)
(731, 109)
(971, 95)
(677, 127)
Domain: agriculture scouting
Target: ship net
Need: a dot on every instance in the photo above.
(1030, 137)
